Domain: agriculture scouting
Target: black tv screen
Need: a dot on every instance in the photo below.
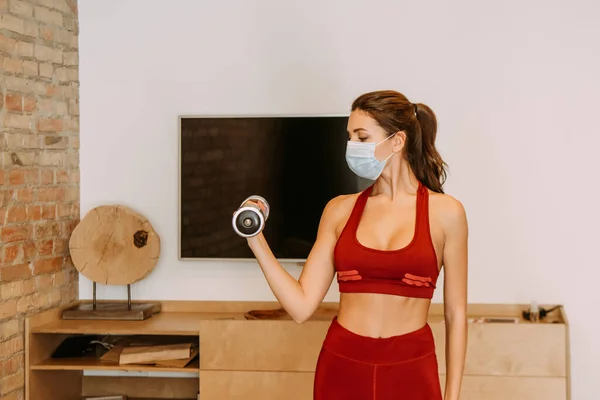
(297, 163)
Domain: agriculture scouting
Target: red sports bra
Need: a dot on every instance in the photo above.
(411, 271)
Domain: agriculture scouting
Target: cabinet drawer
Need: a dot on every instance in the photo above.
(525, 349)
(261, 345)
(251, 385)
(513, 388)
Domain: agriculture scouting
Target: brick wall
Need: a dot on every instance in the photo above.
(39, 180)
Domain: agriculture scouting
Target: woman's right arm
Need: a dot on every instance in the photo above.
(300, 298)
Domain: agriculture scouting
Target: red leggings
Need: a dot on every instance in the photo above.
(355, 367)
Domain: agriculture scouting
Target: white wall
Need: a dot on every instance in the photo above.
(515, 86)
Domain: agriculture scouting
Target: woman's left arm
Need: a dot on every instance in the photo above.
(455, 260)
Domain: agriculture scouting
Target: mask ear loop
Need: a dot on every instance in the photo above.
(391, 136)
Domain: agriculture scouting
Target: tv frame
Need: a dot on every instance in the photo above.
(297, 261)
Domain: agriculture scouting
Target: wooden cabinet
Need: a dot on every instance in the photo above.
(275, 359)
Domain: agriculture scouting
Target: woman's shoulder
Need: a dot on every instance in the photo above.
(343, 200)
(446, 209)
(340, 207)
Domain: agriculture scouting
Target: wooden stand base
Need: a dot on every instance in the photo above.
(112, 311)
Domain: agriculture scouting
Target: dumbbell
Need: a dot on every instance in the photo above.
(249, 219)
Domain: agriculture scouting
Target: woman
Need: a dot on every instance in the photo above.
(387, 245)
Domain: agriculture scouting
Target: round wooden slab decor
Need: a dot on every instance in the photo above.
(114, 245)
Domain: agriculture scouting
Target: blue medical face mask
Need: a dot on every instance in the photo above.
(361, 159)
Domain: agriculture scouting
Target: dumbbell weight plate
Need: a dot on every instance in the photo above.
(248, 221)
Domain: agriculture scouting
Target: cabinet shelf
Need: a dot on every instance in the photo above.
(172, 324)
(80, 364)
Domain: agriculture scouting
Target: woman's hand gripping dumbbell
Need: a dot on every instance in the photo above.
(250, 218)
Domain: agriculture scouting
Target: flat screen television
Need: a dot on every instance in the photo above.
(297, 163)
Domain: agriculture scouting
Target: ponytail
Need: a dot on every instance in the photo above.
(424, 159)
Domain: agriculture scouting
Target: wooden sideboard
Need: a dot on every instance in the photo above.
(275, 359)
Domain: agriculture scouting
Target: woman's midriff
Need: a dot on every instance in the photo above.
(381, 315)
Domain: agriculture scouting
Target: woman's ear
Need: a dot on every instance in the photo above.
(398, 141)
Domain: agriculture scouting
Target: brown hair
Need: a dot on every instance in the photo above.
(393, 112)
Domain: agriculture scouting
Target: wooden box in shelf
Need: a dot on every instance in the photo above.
(275, 359)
